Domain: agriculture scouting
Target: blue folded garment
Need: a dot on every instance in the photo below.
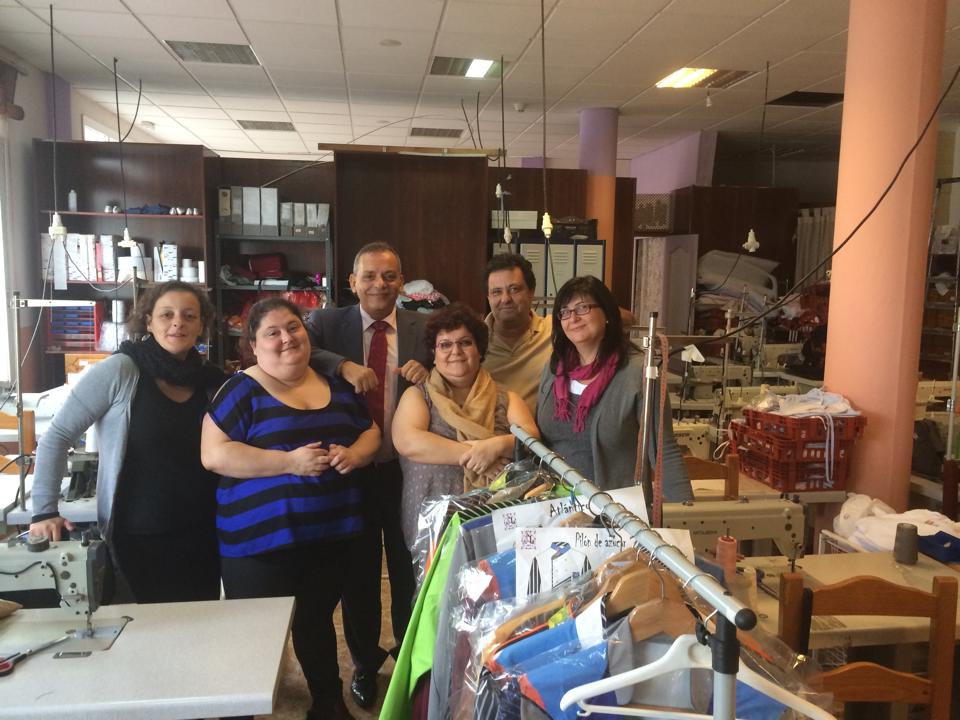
(942, 546)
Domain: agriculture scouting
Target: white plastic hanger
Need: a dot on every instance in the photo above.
(686, 653)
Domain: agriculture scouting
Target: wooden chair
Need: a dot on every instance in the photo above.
(868, 595)
(9, 422)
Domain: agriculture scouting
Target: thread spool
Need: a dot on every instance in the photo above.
(727, 556)
(905, 544)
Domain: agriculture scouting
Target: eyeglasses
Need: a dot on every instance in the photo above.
(446, 346)
(580, 309)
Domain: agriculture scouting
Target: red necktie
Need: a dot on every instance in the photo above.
(377, 361)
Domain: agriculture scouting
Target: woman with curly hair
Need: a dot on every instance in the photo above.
(453, 430)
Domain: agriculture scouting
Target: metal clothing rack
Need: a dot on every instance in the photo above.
(731, 614)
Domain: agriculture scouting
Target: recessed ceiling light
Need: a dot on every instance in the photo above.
(686, 77)
(479, 68)
(464, 67)
(390, 42)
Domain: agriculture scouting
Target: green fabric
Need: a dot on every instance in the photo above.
(416, 654)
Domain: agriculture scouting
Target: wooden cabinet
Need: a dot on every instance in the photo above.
(303, 256)
(153, 174)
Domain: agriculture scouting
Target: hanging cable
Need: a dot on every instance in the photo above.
(467, 121)
(123, 183)
(136, 112)
(477, 118)
(896, 176)
(53, 99)
(502, 160)
(543, 97)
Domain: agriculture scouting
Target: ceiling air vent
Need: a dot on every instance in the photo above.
(222, 53)
(808, 99)
(435, 132)
(266, 125)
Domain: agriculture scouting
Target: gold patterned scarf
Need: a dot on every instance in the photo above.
(473, 420)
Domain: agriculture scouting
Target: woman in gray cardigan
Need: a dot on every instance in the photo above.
(590, 402)
(156, 504)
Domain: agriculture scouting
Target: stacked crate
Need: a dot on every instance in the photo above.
(794, 453)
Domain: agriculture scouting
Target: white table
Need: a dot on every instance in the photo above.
(172, 661)
(853, 631)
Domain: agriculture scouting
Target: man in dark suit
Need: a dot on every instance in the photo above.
(379, 349)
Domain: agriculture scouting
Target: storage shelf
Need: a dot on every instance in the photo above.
(939, 305)
(252, 288)
(937, 357)
(275, 238)
(120, 215)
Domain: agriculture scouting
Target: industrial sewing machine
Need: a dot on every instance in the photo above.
(68, 574)
(780, 520)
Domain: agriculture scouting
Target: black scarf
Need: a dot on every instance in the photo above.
(193, 371)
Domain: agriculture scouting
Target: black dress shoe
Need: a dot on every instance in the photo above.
(363, 688)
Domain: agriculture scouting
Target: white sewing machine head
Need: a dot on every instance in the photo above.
(42, 573)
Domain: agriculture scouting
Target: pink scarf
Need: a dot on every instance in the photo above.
(604, 373)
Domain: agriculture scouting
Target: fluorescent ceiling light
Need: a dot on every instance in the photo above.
(479, 68)
(686, 77)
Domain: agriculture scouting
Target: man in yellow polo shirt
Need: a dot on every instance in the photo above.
(519, 346)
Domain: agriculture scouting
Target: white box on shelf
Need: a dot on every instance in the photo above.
(166, 257)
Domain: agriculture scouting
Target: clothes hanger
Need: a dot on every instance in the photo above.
(686, 653)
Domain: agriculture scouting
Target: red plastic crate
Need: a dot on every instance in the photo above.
(811, 428)
(790, 465)
(794, 476)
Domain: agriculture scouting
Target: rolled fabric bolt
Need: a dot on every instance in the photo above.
(727, 556)
(905, 544)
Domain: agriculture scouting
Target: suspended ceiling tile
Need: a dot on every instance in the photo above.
(90, 5)
(315, 12)
(198, 113)
(390, 15)
(478, 18)
(307, 77)
(480, 45)
(183, 8)
(197, 99)
(280, 56)
(396, 60)
(291, 33)
(205, 123)
(374, 81)
(292, 93)
(307, 109)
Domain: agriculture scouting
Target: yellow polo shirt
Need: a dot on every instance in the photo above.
(518, 367)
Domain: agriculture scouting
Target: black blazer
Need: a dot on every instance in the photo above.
(337, 335)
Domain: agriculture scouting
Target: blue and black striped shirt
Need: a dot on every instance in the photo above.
(257, 515)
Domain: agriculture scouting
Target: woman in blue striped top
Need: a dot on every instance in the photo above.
(289, 444)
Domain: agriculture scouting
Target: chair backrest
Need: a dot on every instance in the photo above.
(868, 595)
(9, 422)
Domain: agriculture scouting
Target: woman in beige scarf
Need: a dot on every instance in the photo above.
(452, 432)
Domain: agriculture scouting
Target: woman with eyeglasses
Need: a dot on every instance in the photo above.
(590, 402)
(452, 431)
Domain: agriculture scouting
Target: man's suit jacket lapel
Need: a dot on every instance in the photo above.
(351, 329)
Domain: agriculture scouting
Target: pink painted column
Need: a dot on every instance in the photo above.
(598, 156)
(894, 59)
